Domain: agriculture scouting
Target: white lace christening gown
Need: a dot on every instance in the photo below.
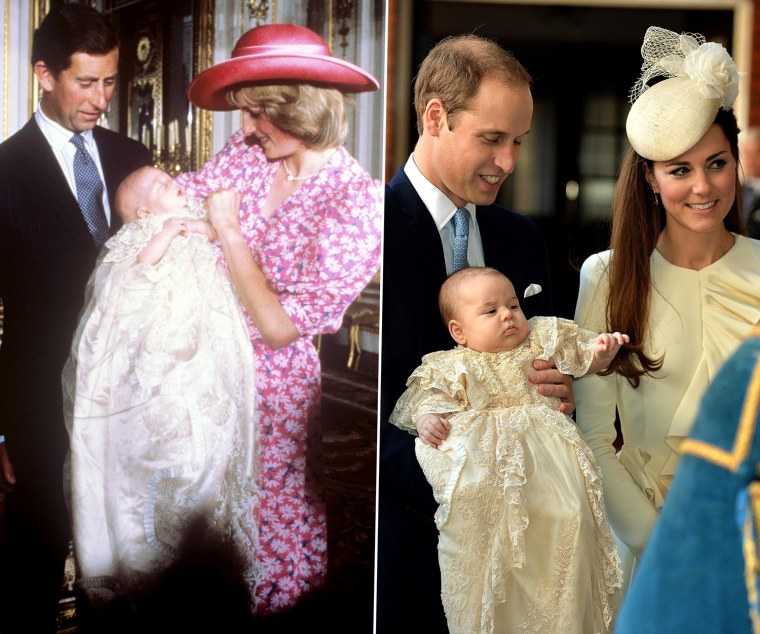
(159, 399)
(524, 543)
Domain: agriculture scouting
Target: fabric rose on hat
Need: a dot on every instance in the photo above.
(713, 69)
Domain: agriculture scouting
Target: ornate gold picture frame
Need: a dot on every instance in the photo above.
(164, 45)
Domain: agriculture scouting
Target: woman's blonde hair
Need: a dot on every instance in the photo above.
(314, 115)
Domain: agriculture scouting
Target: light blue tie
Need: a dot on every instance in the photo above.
(460, 222)
(89, 191)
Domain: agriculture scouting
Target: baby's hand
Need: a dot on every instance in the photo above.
(195, 225)
(176, 226)
(432, 429)
(610, 342)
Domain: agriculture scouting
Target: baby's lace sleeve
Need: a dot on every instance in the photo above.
(129, 240)
(571, 346)
(429, 391)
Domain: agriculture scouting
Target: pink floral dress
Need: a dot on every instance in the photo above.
(319, 249)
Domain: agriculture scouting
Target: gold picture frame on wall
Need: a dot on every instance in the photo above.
(164, 45)
(38, 10)
(203, 58)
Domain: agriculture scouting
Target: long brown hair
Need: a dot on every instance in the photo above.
(637, 221)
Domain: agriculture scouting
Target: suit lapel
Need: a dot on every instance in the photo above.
(420, 225)
(47, 178)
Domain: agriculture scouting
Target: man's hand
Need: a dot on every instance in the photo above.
(7, 477)
(551, 382)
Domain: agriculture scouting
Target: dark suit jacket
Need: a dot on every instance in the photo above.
(46, 256)
(408, 592)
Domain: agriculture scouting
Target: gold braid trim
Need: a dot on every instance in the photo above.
(744, 434)
(749, 546)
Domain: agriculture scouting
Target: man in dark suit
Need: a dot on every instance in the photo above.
(750, 159)
(474, 108)
(47, 253)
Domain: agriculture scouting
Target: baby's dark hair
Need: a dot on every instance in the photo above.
(447, 296)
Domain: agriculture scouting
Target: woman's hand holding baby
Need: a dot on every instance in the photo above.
(223, 210)
(432, 429)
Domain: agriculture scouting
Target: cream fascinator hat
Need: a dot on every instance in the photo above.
(670, 117)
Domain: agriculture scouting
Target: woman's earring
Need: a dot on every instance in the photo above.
(656, 199)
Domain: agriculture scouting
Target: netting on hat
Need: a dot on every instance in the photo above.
(668, 54)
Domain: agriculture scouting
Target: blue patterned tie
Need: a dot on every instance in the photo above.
(460, 221)
(89, 191)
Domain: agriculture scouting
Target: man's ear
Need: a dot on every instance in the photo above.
(455, 330)
(144, 212)
(434, 118)
(44, 76)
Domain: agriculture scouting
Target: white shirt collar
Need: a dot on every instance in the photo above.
(57, 136)
(439, 206)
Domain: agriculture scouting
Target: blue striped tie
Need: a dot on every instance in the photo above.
(89, 191)
(460, 221)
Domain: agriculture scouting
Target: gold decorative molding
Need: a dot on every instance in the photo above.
(203, 58)
(158, 112)
(258, 10)
(342, 12)
(38, 9)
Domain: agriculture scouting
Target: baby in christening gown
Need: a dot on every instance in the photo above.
(524, 544)
(159, 391)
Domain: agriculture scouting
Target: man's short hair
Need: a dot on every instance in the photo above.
(68, 29)
(454, 69)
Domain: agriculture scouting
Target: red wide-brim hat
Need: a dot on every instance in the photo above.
(277, 53)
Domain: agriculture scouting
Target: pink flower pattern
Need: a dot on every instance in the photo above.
(318, 250)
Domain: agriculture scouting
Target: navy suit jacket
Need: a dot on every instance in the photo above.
(408, 593)
(46, 257)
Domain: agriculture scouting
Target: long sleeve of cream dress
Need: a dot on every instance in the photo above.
(697, 319)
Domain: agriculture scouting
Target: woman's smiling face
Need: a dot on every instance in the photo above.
(698, 188)
(276, 143)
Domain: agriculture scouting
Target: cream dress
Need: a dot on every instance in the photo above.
(159, 406)
(697, 319)
(524, 544)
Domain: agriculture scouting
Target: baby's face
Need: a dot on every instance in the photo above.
(162, 194)
(489, 314)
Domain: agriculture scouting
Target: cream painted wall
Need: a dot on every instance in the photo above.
(15, 70)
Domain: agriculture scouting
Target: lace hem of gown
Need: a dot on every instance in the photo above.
(512, 466)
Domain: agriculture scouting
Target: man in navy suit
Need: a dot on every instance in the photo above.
(474, 109)
(46, 255)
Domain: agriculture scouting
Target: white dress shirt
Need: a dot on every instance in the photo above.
(59, 139)
(442, 209)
